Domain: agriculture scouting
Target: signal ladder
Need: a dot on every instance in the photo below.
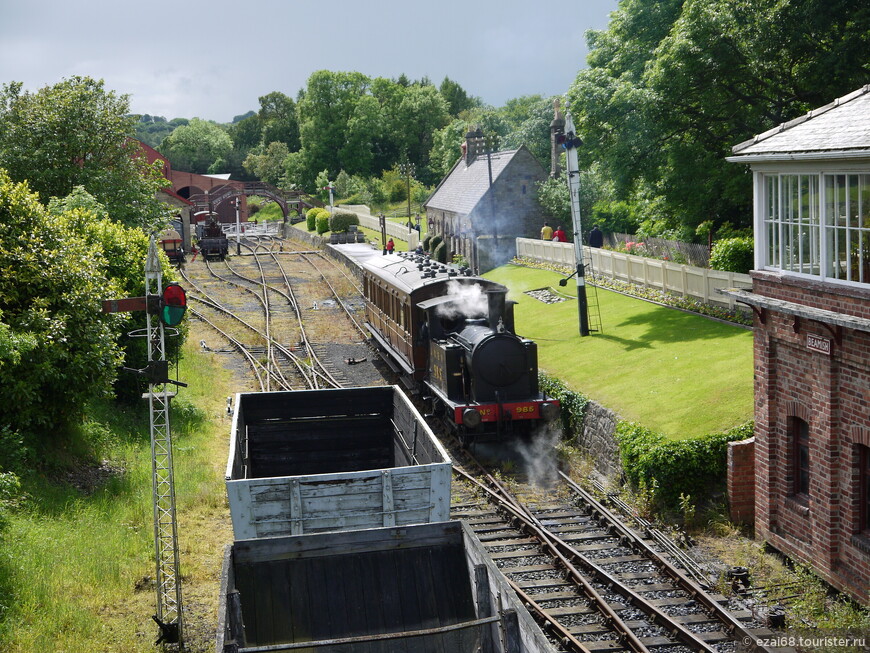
(593, 312)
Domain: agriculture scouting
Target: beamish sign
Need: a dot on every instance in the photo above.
(818, 343)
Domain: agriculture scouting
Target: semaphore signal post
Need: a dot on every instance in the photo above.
(165, 307)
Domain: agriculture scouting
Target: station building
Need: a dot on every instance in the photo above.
(487, 201)
(811, 298)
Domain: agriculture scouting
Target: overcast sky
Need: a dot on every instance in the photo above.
(213, 59)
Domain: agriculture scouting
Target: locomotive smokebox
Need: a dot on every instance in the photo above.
(496, 304)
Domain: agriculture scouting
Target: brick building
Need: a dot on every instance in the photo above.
(811, 299)
(486, 202)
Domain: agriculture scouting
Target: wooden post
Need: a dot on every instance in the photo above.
(510, 624)
(484, 607)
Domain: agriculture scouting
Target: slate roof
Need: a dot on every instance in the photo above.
(836, 130)
(464, 186)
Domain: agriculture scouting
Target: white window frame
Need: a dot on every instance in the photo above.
(819, 258)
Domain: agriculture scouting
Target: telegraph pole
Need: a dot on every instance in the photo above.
(570, 143)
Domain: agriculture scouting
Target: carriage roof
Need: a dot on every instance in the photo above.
(404, 272)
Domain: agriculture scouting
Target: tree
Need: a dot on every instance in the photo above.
(530, 127)
(196, 146)
(278, 119)
(59, 349)
(456, 98)
(270, 166)
(76, 133)
(324, 111)
(420, 113)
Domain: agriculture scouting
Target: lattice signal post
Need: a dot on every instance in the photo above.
(165, 307)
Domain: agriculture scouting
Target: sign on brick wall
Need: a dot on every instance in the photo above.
(818, 343)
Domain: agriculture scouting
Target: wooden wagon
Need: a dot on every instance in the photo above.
(415, 589)
(325, 460)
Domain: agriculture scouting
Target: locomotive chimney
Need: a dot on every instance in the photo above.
(495, 300)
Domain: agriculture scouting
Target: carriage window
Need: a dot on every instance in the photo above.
(799, 438)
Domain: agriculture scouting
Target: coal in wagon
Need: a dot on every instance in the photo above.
(414, 589)
(328, 460)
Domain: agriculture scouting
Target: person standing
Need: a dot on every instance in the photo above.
(390, 246)
(559, 235)
(596, 238)
(546, 232)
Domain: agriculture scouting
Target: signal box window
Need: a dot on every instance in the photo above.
(799, 437)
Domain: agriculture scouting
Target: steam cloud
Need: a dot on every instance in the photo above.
(538, 457)
(466, 301)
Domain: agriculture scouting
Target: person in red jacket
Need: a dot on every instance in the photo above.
(559, 235)
(390, 246)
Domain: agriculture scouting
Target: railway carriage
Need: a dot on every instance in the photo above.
(450, 335)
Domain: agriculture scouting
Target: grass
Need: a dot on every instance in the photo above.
(76, 569)
(675, 372)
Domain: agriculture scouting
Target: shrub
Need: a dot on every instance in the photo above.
(573, 404)
(693, 467)
(322, 223)
(440, 252)
(311, 218)
(426, 241)
(433, 243)
(732, 255)
(341, 220)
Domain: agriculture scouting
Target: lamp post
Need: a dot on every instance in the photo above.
(383, 220)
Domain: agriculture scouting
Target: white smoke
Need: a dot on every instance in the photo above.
(467, 300)
(537, 456)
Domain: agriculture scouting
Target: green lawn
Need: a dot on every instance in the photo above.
(675, 372)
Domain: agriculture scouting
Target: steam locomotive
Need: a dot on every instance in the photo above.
(213, 241)
(450, 335)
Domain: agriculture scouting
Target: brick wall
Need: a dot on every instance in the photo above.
(831, 392)
(741, 481)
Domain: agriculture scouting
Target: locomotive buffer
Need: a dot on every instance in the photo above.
(165, 308)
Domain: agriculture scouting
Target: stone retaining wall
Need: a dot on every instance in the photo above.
(597, 440)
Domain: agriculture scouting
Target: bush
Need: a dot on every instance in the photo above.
(311, 218)
(322, 223)
(440, 252)
(426, 241)
(341, 220)
(573, 404)
(733, 255)
(694, 467)
(433, 243)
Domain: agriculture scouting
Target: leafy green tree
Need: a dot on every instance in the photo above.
(59, 350)
(420, 113)
(278, 119)
(324, 111)
(196, 146)
(456, 98)
(76, 133)
(123, 252)
(270, 166)
(531, 128)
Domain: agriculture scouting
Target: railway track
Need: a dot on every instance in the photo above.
(252, 303)
(595, 584)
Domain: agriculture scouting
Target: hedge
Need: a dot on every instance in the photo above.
(573, 404)
(668, 468)
(341, 220)
(322, 222)
(440, 252)
(426, 242)
(733, 255)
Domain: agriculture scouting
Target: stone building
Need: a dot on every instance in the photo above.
(486, 202)
(811, 299)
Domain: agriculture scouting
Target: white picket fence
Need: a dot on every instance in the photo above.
(684, 280)
(394, 229)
